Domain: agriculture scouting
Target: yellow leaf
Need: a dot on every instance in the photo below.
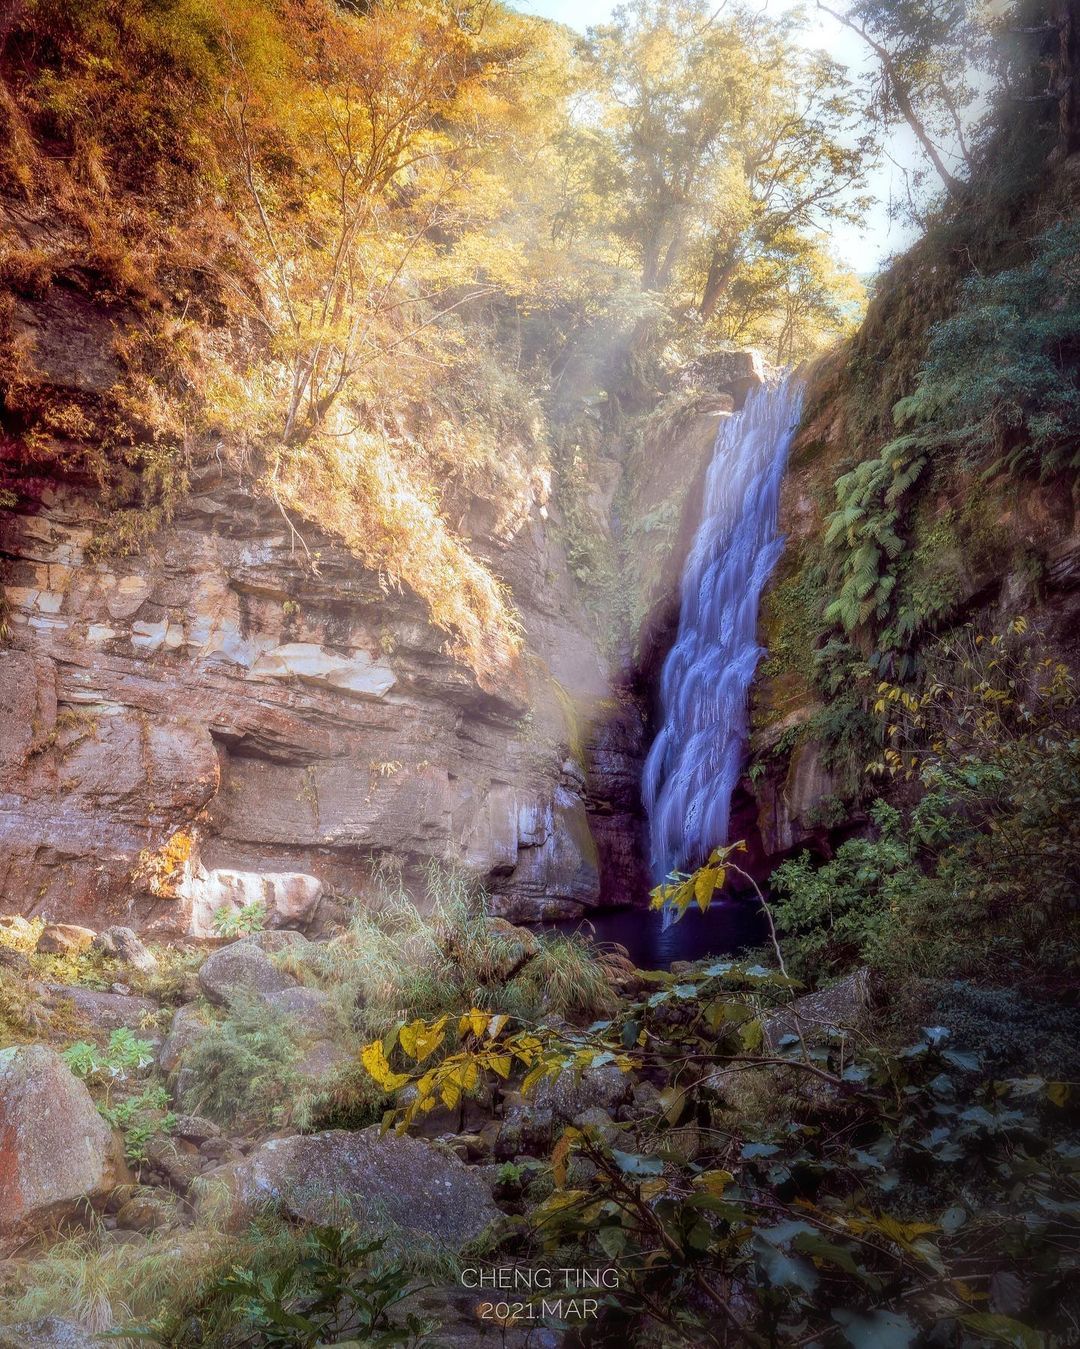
(532, 1078)
(715, 1182)
(560, 1156)
(500, 1063)
(374, 1061)
(704, 885)
(1057, 1093)
(420, 1041)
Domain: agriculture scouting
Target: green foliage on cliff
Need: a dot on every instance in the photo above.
(998, 393)
(976, 878)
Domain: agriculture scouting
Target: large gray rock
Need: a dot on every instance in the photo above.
(241, 970)
(189, 1024)
(395, 1179)
(567, 1095)
(61, 939)
(122, 944)
(841, 1005)
(57, 1152)
(532, 1123)
(289, 898)
(48, 1333)
(309, 1013)
(107, 1011)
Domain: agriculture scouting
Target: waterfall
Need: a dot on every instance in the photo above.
(693, 765)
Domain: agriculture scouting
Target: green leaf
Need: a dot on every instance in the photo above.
(784, 1271)
(953, 1219)
(634, 1164)
(1003, 1329)
(875, 1330)
(612, 1241)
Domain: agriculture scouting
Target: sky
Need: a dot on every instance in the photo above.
(862, 248)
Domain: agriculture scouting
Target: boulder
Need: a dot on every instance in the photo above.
(274, 940)
(567, 1095)
(840, 1005)
(48, 1333)
(403, 1180)
(532, 1124)
(56, 1152)
(242, 970)
(122, 944)
(319, 1061)
(194, 1129)
(174, 1160)
(289, 898)
(189, 1023)
(62, 939)
(150, 1210)
(308, 1011)
(107, 1011)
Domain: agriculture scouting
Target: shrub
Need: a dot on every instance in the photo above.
(395, 961)
(242, 1070)
(228, 922)
(124, 1057)
(139, 1119)
(979, 875)
(1013, 1035)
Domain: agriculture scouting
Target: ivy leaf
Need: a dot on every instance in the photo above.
(1003, 1330)
(784, 1271)
(635, 1164)
(875, 1330)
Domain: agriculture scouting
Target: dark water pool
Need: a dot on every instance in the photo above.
(727, 928)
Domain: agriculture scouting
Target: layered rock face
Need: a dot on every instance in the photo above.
(217, 722)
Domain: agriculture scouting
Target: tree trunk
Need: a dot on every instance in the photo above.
(902, 95)
(1065, 72)
(720, 274)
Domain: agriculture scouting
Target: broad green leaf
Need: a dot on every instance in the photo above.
(782, 1270)
(1003, 1330)
(876, 1329)
(635, 1164)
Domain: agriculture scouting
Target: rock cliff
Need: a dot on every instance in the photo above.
(218, 720)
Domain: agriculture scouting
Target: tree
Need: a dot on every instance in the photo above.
(800, 167)
(727, 148)
(926, 53)
(677, 82)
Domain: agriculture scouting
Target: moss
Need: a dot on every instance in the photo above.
(791, 616)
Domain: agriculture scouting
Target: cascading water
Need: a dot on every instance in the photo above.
(693, 765)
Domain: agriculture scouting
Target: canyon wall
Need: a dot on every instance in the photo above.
(234, 714)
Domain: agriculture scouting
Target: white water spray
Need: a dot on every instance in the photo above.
(693, 765)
